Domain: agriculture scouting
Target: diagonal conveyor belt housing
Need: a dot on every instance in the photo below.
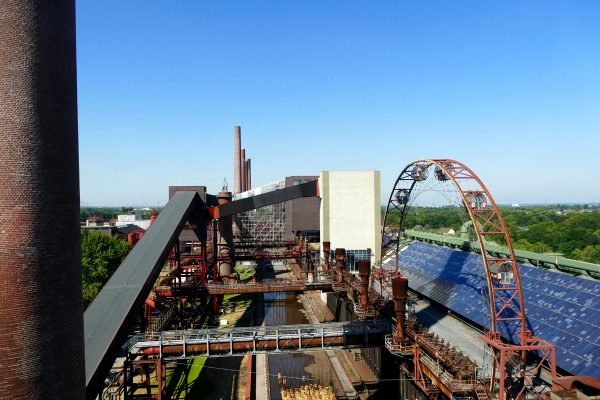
(106, 319)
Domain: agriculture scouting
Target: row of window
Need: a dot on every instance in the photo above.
(353, 257)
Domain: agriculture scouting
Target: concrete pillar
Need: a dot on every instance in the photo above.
(400, 294)
(237, 152)
(225, 254)
(41, 314)
(364, 270)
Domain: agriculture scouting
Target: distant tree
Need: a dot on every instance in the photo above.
(100, 257)
(538, 229)
(589, 254)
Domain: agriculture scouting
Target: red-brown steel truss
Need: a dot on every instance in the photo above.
(504, 291)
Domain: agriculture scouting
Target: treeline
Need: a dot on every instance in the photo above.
(108, 213)
(573, 231)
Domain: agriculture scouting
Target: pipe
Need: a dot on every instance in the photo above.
(364, 270)
(400, 294)
(340, 264)
(41, 312)
(326, 255)
(225, 254)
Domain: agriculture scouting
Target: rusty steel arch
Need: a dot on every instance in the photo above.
(504, 289)
(487, 223)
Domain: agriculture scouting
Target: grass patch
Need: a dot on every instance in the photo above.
(183, 376)
(245, 273)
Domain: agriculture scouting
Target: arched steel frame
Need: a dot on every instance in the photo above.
(506, 302)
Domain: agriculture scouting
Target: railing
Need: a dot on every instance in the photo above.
(364, 312)
(210, 342)
(402, 349)
(450, 382)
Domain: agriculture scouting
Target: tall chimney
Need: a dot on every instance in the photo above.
(249, 175)
(237, 153)
(243, 170)
(41, 312)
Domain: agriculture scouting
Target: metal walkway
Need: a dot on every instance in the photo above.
(214, 342)
(276, 285)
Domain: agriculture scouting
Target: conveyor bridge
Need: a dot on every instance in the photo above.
(258, 339)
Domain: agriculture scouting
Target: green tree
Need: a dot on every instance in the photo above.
(589, 254)
(100, 256)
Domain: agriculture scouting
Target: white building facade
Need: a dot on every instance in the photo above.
(351, 213)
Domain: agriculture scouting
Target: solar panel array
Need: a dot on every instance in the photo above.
(560, 308)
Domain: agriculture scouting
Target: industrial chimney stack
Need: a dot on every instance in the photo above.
(242, 178)
(243, 167)
(41, 312)
(237, 154)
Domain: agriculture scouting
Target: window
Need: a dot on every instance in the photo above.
(354, 256)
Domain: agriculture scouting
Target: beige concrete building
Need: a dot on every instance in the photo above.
(351, 213)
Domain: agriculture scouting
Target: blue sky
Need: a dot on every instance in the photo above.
(511, 89)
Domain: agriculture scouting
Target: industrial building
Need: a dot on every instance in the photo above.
(350, 214)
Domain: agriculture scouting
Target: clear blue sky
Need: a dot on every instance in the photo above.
(510, 88)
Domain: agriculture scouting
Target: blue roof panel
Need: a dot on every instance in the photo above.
(562, 309)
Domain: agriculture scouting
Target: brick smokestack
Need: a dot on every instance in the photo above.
(237, 154)
(249, 175)
(41, 317)
(243, 169)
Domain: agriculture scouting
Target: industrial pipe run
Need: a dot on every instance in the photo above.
(340, 264)
(41, 312)
(400, 294)
(326, 255)
(364, 270)
(225, 255)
